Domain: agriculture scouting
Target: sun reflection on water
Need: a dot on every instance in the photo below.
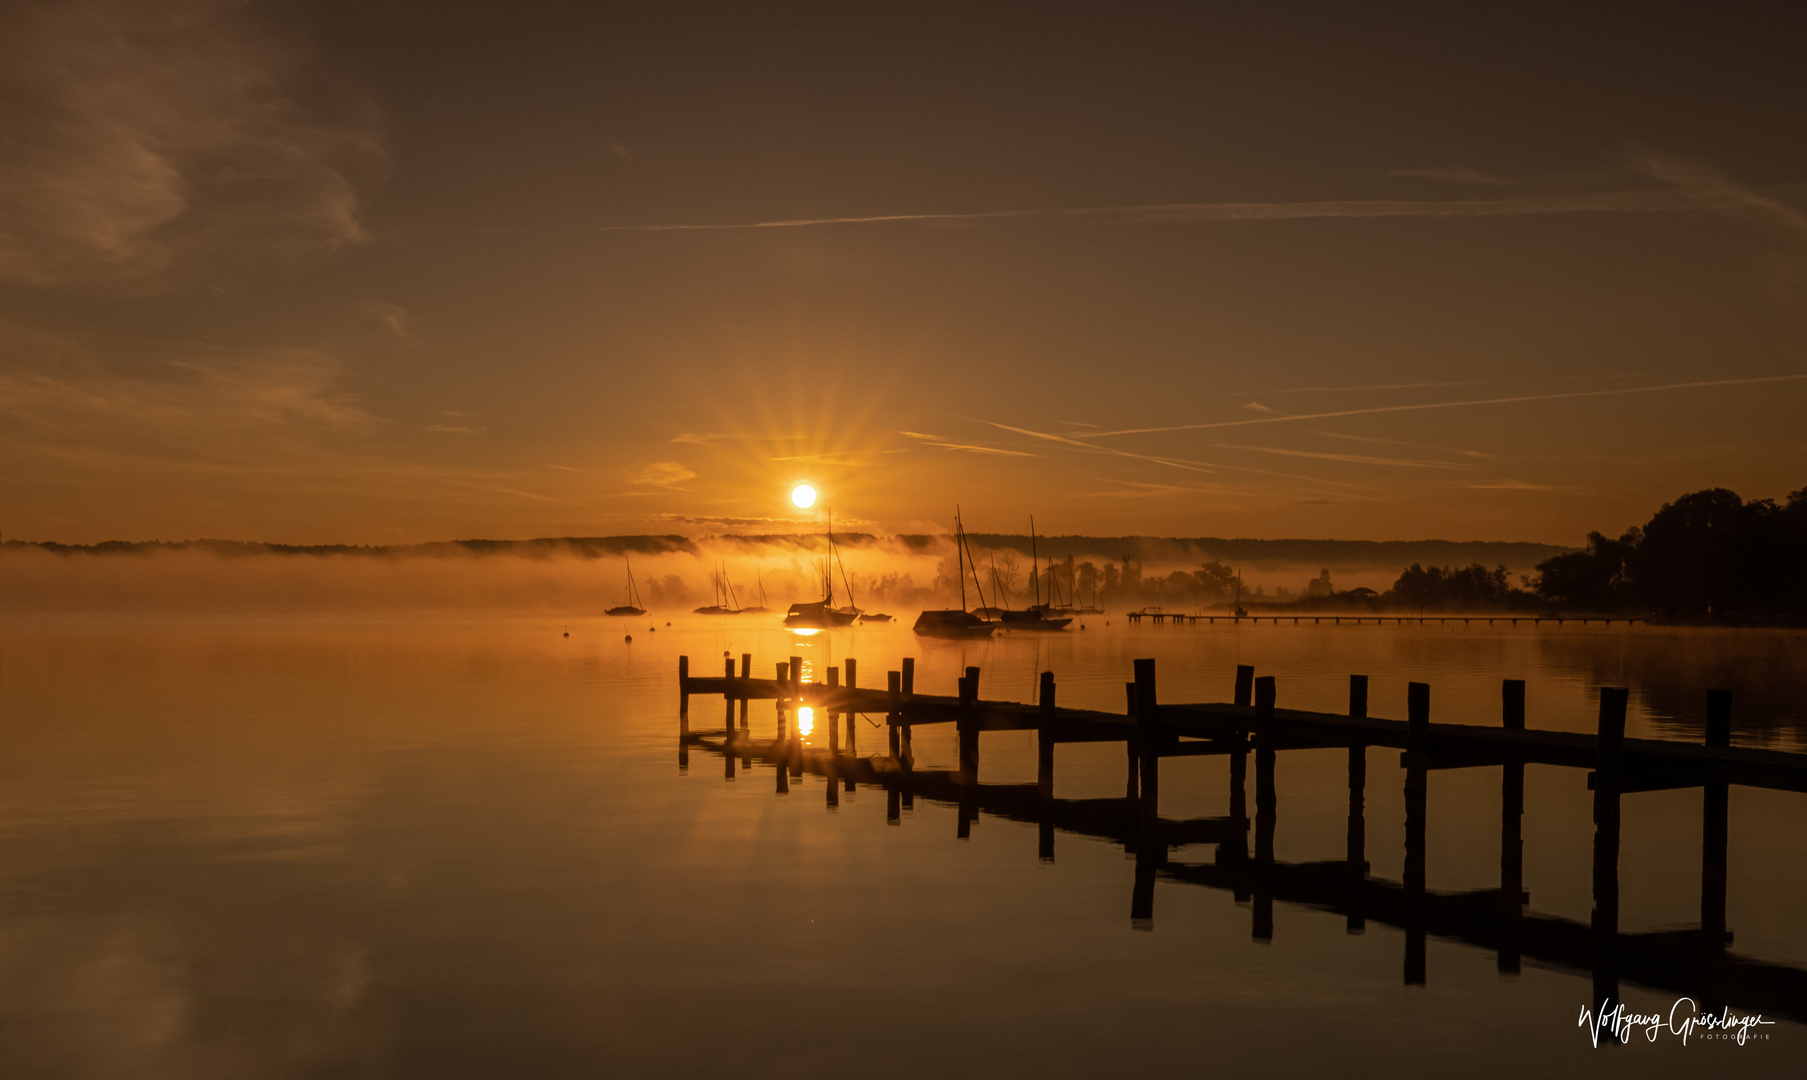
(806, 720)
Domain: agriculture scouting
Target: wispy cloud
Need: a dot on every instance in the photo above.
(943, 443)
(1514, 485)
(663, 474)
(393, 318)
(1186, 464)
(204, 399)
(1356, 459)
(142, 136)
(1402, 442)
(1717, 191)
(1632, 201)
(1471, 403)
(1351, 389)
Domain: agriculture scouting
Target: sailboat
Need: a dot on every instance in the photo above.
(955, 622)
(632, 607)
(1041, 616)
(759, 608)
(822, 614)
(723, 591)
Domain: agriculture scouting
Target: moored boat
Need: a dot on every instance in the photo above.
(632, 607)
(956, 622)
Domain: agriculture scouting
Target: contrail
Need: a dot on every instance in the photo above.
(1757, 380)
(1610, 202)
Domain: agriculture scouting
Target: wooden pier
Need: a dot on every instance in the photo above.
(1180, 619)
(1693, 962)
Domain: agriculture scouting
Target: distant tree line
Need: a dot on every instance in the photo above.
(1707, 556)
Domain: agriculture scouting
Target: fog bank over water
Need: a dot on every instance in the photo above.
(584, 575)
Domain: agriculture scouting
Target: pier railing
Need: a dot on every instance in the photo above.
(1695, 962)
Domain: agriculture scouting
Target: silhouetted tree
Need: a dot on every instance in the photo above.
(1474, 588)
(1708, 555)
(1591, 580)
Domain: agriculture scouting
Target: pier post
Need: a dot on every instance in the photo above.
(1418, 722)
(1149, 856)
(894, 718)
(1044, 739)
(1245, 683)
(1132, 789)
(1715, 819)
(779, 747)
(1609, 751)
(967, 727)
(728, 734)
(832, 766)
(1266, 807)
(909, 691)
(1149, 733)
(684, 686)
(1151, 849)
(797, 678)
(852, 715)
(1357, 853)
(894, 692)
(1512, 842)
(746, 672)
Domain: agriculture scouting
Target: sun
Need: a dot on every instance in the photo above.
(803, 496)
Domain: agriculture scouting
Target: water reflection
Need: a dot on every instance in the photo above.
(1694, 962)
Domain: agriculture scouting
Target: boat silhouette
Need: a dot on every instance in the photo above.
(956, 622)
(822, 614)
(632, 607)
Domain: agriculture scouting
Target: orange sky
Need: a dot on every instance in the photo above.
(382, 272)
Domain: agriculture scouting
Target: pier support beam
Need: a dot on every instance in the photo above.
(1609, 753)
(1512, 843)
(1715, 820)
(1357, 853)
(1132, 787)
(1418, 721)
(1266, 806)
(909, 691)
(1044, 738)
(1149, 735)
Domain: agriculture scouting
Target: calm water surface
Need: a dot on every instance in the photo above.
(464, 848)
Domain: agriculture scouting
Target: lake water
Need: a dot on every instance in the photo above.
(399, 847)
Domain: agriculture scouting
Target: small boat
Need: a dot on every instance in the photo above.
(1035, 618)
(822, 614)
(874, 616)
(632, 607)
(817, 615)
(723, 591)
(952, 623)
(1039, 615)
(956, 622)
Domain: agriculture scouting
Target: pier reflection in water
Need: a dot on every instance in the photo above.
(430, 847)
(1691, 962)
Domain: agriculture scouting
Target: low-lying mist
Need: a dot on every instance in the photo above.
(577, 577)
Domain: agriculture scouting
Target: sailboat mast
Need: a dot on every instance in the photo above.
(972, 565)
(828, 570)
(959, 557)
(1034, 562)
